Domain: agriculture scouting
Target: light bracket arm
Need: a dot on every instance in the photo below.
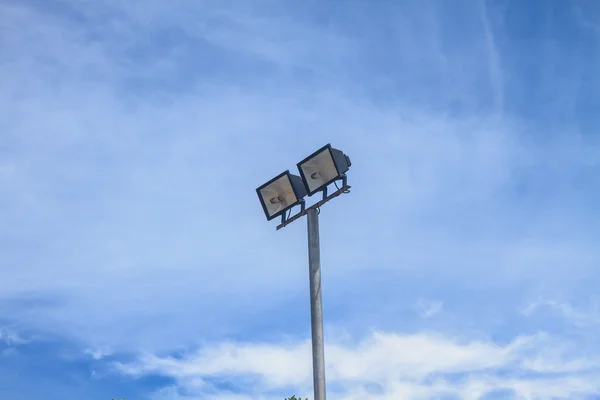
(302, 209)
(342, 190)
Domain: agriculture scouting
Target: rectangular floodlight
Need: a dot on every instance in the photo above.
(322, 168)
(280, 194)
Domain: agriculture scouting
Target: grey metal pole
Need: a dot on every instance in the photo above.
(316, 305)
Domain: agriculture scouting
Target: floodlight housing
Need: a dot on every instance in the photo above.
(323, 167)
(280, 194)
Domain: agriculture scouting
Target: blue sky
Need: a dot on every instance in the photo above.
(135, 258)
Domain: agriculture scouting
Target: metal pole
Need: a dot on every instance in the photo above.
(316, 305)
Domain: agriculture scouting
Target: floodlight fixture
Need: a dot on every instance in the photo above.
(322, 168)
(281, 194)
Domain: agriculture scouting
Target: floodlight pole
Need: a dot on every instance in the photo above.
(316, 304)
(316, 301)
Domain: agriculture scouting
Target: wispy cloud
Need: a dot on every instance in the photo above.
(580, 317)
(429, 308)
(10, 337)
(494, 61)
(99, 353)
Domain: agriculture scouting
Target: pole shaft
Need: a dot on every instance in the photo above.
(316, 305)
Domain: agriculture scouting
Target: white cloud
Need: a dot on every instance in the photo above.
(417, 366)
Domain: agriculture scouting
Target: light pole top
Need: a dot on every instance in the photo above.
(317, 171)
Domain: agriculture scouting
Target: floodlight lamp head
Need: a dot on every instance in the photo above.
(280, 194)
(323, 167)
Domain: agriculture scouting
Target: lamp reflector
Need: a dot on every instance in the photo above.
(280, 194)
